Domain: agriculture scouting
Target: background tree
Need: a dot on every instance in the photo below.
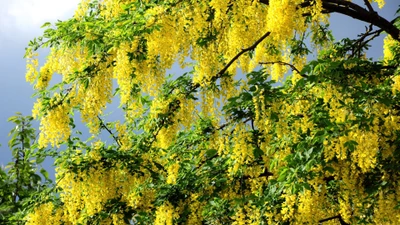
(209, 147)
(20, 184)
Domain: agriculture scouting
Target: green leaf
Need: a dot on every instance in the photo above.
(44, 173)
(329, 169)
(211, 153)
(257, 152)
(351, 145)
(46, 24)
(40, 159)
(283, 174)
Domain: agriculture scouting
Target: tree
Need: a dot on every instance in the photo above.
(20, 184)
(208, 146)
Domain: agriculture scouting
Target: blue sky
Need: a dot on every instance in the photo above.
(20, 21)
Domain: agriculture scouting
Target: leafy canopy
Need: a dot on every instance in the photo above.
(20, 183)
(210, 146)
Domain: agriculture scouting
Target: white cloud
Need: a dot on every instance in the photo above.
(28, 15)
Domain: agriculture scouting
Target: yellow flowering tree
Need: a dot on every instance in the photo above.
(209, 146)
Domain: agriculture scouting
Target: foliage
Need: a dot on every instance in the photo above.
(20, 184)
(209, 146)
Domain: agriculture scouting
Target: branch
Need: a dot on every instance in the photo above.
(361, 42)
(252, 47)
(353, 10)
(265, 174)
(16, 196)
(369, 6)
(173, 106)
(357, 12)
(223, 70)
(286, 64)
(221, 127)
(342, 222)
(194, 86)
(103, 125)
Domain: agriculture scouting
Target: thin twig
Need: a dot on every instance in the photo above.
(252, 47)
(285, 64)
(369, 6)
(223, 70)
(342, 222)
(360, 43)
(265, 174)
(17, 166)
(103, 125)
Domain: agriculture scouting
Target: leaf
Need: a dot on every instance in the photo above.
(246, 96)
(307, 186)
(257, 152)
(46, 24)
(308, 153)
(211, 153)
(40, 159)
(282, 174)
(44, 173)
(273, 164)
(329, 169)
(351, 145)
(385, 101)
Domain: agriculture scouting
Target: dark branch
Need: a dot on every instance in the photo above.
(286, 64)
(353, 10)
(265, 174)
(103, 125)
(252, 47)
(361, 42)
(369, 6)
(357, 12)
(173, 107)
(223, 70)
(342, 222)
